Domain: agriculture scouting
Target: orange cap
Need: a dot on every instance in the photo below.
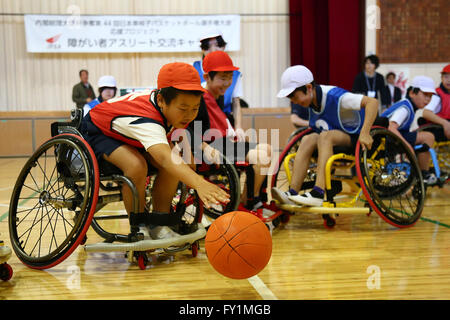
(446, 69)
(179, 75)
(218, 61)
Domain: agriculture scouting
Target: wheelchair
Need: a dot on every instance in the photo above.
(440, 151)
(59, 195)
(385, 179)
(234, 177)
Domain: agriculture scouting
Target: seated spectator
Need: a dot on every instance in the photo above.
(107, 89)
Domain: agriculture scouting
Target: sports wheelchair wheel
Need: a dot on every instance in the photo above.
(53, 201)
(391, 179)
(226, 177)
(280, 178)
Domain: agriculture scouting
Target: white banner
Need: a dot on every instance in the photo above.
(72, 33)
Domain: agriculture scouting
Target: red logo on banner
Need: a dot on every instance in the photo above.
(53, 39)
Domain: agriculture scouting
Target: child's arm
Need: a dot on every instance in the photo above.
(371, 112)
(430, 116)
(238, 119)
(393, 127)
(208, 192)
(296, 120)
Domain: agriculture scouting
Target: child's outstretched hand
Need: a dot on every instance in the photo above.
(210, 193)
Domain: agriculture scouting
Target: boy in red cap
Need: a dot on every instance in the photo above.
(217, 133)
(438, 110)
(131, 133)
(212, 40)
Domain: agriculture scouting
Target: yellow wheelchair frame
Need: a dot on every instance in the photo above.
(359, 191)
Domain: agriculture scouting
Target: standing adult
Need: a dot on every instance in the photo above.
(83, 92)
(210, 41)
(371, 83)
(394, 92)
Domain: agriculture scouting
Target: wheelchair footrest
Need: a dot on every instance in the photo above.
(145, 245)
(324, 210)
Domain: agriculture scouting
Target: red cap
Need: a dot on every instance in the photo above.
(179, 75)
(446, 69)
(218, 61)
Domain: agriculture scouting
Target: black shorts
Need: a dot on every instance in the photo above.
(233, 151)
(411, 137)
(99, 142)
(102, 144)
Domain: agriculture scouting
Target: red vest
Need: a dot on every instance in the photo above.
(445, 104)
(134, 105)
(217, 118)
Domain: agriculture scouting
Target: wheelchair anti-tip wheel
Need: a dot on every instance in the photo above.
(53, 201)
(391, 179)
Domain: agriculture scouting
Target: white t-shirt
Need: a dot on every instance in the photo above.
(391, 90)
(149, 134)
(435, 104)
(349, 100)
(399, 116)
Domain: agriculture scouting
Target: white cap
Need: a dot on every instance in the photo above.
(210, 33)
(425, 84)
(293, 78)
(107, 81)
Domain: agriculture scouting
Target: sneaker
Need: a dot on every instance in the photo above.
(430, 179)
(307, 199)
(162, 232)
(282, 197)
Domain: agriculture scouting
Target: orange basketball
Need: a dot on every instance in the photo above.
(238, 245)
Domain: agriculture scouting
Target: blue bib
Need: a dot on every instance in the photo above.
(93, 103)
(405, 103)
(228, 108)
(331, 116)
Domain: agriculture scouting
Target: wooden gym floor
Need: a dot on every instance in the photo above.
(361, 258)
